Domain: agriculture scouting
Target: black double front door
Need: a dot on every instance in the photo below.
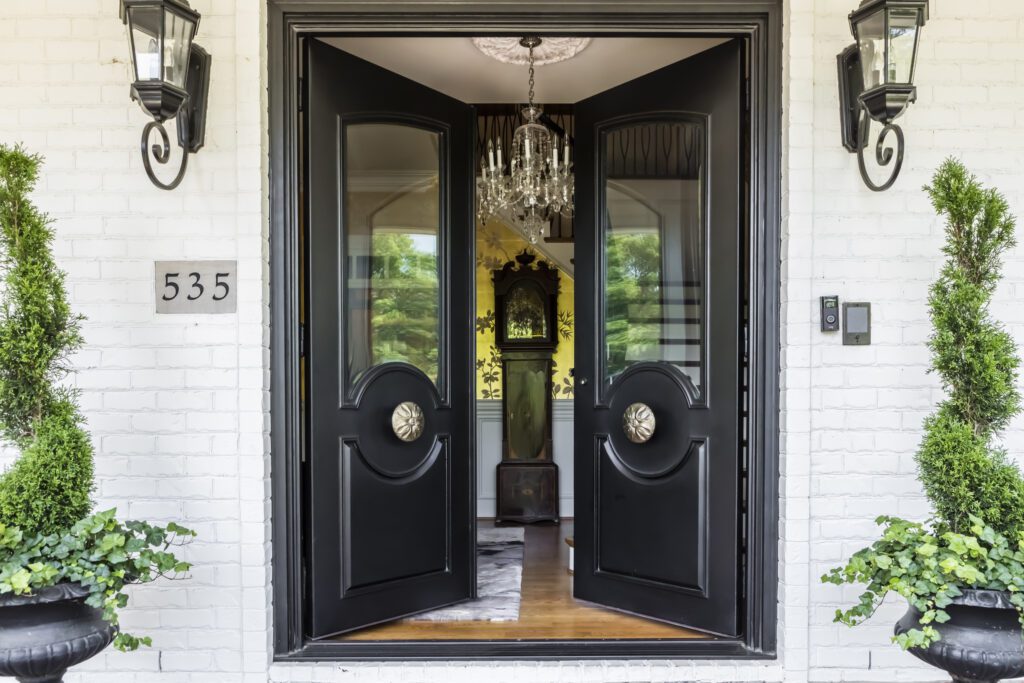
(390, 242)
(391, 515)
(658, 343)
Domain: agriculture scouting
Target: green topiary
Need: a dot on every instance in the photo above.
(48, 488)
(47, 535)
(976, 539)
(962, 472)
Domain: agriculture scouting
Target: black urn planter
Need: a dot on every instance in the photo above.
(41, 635)
(982, 641)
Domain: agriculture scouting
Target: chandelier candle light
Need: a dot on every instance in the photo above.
(539, 182)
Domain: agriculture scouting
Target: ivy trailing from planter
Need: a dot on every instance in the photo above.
(976, 538)
(47, 534)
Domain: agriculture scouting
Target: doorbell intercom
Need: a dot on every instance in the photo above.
(856, 323)
(829, 313)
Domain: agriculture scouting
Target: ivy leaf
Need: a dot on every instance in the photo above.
(101, 553)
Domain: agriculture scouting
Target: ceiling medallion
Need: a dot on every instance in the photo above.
(510, 51)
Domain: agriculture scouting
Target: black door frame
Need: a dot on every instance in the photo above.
(759, 22)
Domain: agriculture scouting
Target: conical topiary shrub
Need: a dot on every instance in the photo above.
(48, 538)
(975, 542)
(49, 486)
(964, 474)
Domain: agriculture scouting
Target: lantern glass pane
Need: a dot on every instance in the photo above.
(902, 38)
(178, 32)
(870, 41)
(146, 24)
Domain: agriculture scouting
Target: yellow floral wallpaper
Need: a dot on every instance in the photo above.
(497, 244)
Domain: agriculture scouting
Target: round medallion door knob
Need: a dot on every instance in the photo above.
(638, 422)
(407, 421)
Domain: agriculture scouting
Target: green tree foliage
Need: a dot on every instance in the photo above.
(963, 473)
(48, 488)
(634, 290)
(404, 311)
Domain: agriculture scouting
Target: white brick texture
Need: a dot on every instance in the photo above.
(178, 407)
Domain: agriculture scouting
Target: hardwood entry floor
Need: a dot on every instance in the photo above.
(547, 611)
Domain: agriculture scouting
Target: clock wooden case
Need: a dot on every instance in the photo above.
(526, 299)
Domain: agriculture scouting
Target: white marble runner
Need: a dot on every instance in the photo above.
(499, 580)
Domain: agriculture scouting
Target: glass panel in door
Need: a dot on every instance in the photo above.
(655, 246)
(392, 223)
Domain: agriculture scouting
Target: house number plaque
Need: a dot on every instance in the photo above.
(196, 287)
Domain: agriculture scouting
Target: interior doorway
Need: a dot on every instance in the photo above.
(649, 461)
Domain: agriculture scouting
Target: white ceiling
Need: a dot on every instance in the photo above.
(455, 67)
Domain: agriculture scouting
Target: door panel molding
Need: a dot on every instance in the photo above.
(353, 487)
(641, 477)
(406, 477)
(355, 398)
(695, 457)
(694, 398)
(759, 23)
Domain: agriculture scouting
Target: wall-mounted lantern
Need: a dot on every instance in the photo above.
(876, 77)
(171, 77)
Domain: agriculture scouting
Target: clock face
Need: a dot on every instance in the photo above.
(524, 313)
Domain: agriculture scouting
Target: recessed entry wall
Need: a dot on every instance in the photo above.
(455, 67)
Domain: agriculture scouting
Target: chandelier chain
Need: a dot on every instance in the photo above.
(531, 75)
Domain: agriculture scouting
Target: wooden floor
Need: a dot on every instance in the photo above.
(547, 610)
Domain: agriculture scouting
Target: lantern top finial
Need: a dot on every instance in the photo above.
(868, 7)
(180, 7)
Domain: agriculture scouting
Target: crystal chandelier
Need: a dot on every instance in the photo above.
(539, 182)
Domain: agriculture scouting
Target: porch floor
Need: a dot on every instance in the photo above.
(547, 610)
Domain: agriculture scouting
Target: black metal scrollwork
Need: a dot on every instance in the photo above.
(883, 154)
(162, 153)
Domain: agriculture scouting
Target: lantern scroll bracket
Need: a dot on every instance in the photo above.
(171, 79)
(876, 80)
(191, 122)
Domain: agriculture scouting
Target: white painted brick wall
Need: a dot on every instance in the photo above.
(866, 403)
(177, 405)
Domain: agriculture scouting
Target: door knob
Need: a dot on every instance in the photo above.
(638, 422)
(407, 421)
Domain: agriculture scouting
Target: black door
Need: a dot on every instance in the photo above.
(391, 523)
(658, 350)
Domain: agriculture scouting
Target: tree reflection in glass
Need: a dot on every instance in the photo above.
(392, 265)
(654, 249)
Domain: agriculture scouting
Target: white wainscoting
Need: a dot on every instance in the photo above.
(488, 453)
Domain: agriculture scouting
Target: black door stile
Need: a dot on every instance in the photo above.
(658, 522)
(391, 523)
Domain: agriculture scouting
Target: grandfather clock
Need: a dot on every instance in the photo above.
(526, 300)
